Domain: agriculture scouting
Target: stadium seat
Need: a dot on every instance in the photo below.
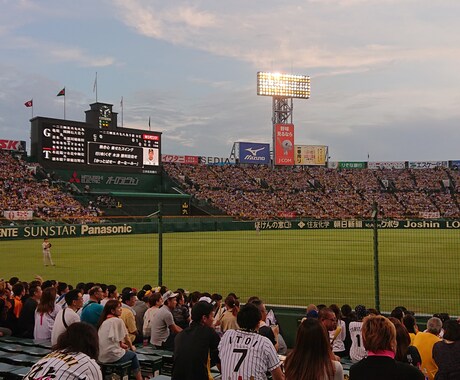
(121, 369)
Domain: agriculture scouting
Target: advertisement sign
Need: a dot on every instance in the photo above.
(352, 165)
(386, 165)
(13, 145)
(174, 158)
(284, 144)
(427, 164)
(310, 154)
(18, 215)
(254, 153)
(215, 160)
(455, 164)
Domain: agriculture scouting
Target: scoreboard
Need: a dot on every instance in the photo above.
(64, 145)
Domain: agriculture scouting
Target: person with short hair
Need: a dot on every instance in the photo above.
(446, 353)
(26, 321)
(73, 357)
(246, 354)
(155, 302)
(92, 309)
(379, 339)
(68, 315)
(357, 350)
(311, 357)
(195, 347)
(128, 299)
(425, 341)
(163, 329)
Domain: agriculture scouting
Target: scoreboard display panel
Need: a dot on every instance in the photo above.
(118, 149)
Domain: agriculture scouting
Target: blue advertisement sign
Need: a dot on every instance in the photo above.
(254, 153)
(455, 164)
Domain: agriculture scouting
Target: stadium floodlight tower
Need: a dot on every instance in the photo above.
(283, 88)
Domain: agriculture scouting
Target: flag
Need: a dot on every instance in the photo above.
(29, 103)
(61, 93)
(121, 102)
(149, 121)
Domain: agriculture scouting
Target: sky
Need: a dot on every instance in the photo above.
(385, 78)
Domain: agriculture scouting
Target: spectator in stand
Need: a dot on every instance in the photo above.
(164, 330)
(112, 294)
(114, 343)
(45, 314)
(244, 353)
(140, 307)
(26, 322)
(68, 315)
(73, 357)
(424, 341)
(128, 299)
(404, 351)
(62, 290)
(181, 312)
(357, 350)
(228, 320)
(379, 338)
(446, 353)
(347, 317)
(411, 325)
(270, 332)
(311, 357)
(155, 302)
(5, 305)
(338, 336)
(195, 348)
(92, 309)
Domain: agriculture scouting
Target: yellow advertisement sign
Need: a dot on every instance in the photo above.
(310, 154)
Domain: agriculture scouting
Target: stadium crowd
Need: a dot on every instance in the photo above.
(20, 190)
(261, 192)
(96, 324)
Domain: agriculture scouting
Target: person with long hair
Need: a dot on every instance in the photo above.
(379, 339)
(404, 351)
(446, 353)
(312, 358)
(73, 357)
(45, 314)
(114, 343)
(155, 301)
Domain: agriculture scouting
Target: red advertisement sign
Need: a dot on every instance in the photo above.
(191, 160)
(284, 144)
(12, 145)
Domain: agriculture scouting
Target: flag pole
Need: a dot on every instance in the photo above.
(121, 103)
(95, 86)
(32, 108)
(64, 103)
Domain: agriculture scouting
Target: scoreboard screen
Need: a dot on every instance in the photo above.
(121, 149)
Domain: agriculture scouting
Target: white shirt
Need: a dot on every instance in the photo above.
(357, 350)
(246, 355)
(44, 324)
(148, 318)
(69, 366)
(111, 333)
(58, 328)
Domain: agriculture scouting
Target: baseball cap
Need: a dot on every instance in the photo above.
(206, 299)
(169, 294)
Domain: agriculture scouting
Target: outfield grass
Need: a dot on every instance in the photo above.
(418, 268)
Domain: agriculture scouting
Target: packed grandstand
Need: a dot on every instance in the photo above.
(252, 192)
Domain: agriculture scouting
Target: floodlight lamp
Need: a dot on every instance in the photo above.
(283, 85)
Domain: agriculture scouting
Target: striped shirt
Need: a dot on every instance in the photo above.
(357, 350)
(246, 356)
(65, 366)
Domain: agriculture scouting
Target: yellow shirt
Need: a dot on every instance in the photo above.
(424, 342)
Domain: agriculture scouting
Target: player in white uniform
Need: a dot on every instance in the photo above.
(46, 248)
(357, 350)
(246, 355)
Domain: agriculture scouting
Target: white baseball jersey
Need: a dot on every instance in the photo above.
(357, 350)
(71, 366)
(246, 356)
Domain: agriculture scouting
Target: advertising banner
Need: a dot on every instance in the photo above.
(18, 215)
(310, 154)
(386, 165)
(254, 153)
(215, 160)
(455, 164)
(352, 165)
(190, 160)
(13, 145)
(427, 164)
(284, 144)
